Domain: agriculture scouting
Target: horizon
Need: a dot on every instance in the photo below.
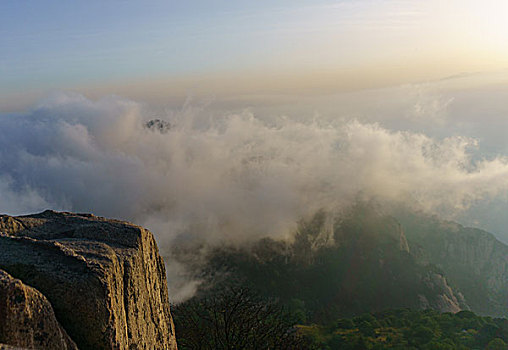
(116, 48)
(262, 174)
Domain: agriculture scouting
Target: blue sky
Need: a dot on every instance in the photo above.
(54, 42)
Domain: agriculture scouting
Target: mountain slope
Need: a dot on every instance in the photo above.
(472, 259)
(355, 264)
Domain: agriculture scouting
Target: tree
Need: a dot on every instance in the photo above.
(234, 318)
(497, 344)
(366, 328)
(420, 335)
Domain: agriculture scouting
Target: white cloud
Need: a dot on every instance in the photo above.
(231, 177)
(228, 177)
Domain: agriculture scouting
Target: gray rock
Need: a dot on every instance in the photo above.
(27, 318)
(10, 347)
(473, 260)
(104, 278)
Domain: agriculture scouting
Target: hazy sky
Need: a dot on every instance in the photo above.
(277, 108)
(122, 46)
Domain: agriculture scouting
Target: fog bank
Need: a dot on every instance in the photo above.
(231, 177)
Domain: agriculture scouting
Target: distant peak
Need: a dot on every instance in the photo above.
(159, 125)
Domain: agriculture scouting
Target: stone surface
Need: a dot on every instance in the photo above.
(104, 278)
(446, 299)
(10, 347)
(473, 260)
(27, 318)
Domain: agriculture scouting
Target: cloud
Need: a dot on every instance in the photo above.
(231, 177)
(227, 176)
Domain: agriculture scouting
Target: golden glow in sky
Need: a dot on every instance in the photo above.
(205, 46)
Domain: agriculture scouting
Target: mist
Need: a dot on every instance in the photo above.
(231, 176)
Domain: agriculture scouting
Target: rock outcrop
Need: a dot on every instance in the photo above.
(10, 347)
(27, 318)
(445, 298)
(473, 260)
(104, 278)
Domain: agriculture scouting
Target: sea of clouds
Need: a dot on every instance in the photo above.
(229, 177)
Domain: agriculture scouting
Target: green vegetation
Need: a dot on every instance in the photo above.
(354, 265)
(233, 319)
(409, 329)
(240, 319)
(361, 263)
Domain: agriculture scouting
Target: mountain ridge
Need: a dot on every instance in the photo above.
(362, 263)
(474, 259)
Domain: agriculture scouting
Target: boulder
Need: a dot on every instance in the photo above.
(27, 318)
(104, 278)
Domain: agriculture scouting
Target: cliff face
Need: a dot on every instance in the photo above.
(382, 236)
(474, 260)
(27, 318)
(479, 251)
(104, 278)
(366, 267)
(445, 298)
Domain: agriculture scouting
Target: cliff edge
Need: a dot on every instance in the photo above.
(104, 278)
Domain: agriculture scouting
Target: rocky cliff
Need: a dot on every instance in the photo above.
(104, 279)
(472, 259)
(27, 318)
(365, 266)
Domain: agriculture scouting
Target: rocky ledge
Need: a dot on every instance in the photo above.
(77, 280)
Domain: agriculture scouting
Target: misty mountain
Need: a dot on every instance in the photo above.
(158, 125)
(232, 175)
(358, 262)
(472, 259)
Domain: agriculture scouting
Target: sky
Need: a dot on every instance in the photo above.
(159, 49)
(77, 79)
(273, 110)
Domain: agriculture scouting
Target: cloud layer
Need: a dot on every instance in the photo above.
(215, 177)
(232, 177)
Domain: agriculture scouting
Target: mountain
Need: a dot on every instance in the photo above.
(351, 264)
(472, 259)
(159, 125)
(76, 278)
